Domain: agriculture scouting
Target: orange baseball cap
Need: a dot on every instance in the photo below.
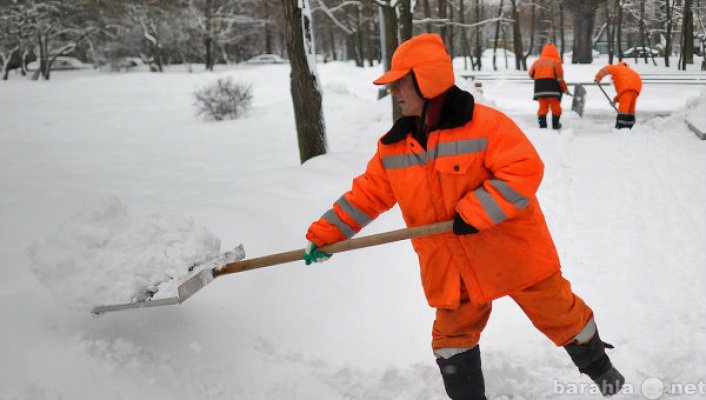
(426, 56)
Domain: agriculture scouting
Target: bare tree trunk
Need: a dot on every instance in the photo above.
(208, 39)
(584, 13)
(517, 35)
(668, 31)
(619, 23)
(268, 30)
(464, 32)
(405, 20)
(687, 49)
(427, 15)
(442, 15)
(562, 28)
(450, 34)
(497, 34)
(367, 32)
(304, 85)
(478, 49)
(643, 33)
(531, 41)
(390, 24)
(610, 29)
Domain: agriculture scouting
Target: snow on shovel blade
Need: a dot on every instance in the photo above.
(177, 290)
(233, 262)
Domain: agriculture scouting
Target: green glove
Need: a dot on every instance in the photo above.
(311, 255)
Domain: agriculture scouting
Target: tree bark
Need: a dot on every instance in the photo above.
(304, 85)
(584, 13)
(668, 33)
(208, 38)
(687, 50)
(391, 41)
(405, 22)
(516, 36)
(497, 36)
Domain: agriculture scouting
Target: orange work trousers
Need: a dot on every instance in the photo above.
(550, 304)
(627, 102)
(545, 103)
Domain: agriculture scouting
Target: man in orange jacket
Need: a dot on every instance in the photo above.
(549, 85)
(450, 158)
(628, 85)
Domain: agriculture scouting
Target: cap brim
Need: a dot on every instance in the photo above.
(391, 76)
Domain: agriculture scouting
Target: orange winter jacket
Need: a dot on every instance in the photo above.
(478, 163)
(624, 77)
(548, 74)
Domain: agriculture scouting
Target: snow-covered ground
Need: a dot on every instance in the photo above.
(108, 181)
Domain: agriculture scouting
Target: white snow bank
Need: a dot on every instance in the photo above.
(104, 256)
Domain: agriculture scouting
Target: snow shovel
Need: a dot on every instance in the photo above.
(578, 101)
(176, 291)
(612, 104)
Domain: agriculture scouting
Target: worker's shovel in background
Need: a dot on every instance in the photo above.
(612, 104)
(578, 101)
(203, 273)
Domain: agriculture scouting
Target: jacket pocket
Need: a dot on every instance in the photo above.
(455, 165)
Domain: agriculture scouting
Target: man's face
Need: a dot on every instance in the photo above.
(407, 97)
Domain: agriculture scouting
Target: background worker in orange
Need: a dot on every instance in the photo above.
(628, 85)
(549, 85)
(448, 158)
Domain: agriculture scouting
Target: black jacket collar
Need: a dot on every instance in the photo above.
(457, 111)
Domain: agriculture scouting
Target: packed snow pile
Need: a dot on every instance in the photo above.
(104, 256)
(696, 110)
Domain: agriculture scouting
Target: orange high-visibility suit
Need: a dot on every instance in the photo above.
(549, 84)
(628, 85)
(475, 163)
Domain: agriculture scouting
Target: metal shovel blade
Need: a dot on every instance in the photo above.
(579, 99)
(201, 275)
(232, 262)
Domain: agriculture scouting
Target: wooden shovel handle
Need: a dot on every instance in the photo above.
(338, 247)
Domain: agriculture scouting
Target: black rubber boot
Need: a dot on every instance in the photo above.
(555, 122)
(463, 377)
(623, 121)
(542, 120)
(592, 360)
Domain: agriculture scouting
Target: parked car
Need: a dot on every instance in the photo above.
(641, 52)
(62, 63)
(266, 59)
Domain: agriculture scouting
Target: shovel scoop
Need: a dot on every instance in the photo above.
(177, 290)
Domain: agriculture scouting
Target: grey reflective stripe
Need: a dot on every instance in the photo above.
(332, 217)
(625, 119)
(517, 199)
(402, 161)
(358, 216)
(448, 352)
(468, 146)
(548, 93)
(586, 333)
(603, 72)
(410, 159)
(490, 206)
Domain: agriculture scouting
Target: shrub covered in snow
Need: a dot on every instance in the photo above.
(226, 99)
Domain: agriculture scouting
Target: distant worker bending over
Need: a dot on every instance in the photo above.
(628, 85)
